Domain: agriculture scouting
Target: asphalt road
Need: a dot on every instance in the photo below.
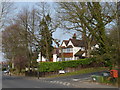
(81, 81)
(75, 81)
(22, 82)
(76, 77)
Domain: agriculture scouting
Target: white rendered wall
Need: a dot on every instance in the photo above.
(83, 54)
(83, 49)
(70, 43)
(96, 46)
(39, 58)
(63, 44)
(43, 59)
(76, 49)
(54, 57)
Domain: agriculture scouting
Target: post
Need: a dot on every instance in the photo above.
(38, 61)
(38, 74)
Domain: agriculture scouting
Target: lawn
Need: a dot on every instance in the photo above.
(82, 71)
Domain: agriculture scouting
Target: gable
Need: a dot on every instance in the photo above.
(70, 43)
(63, 44)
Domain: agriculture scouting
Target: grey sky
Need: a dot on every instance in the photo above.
(59, 34)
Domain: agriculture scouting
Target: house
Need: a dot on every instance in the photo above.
(72, 49)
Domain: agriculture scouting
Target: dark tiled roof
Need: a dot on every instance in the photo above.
(79, 53)
(66, 41)
(78, 43)
(70, 46)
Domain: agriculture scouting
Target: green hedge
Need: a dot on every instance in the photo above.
(54, 66)
(4, 68)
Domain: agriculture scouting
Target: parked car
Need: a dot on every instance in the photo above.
(109, 76)
(6, 71)
(100, 76)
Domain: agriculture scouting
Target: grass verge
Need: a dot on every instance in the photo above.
(82, 71)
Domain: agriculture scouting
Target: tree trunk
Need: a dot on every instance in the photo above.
(47, 51)
(89, 49)
(62, 56)
(13, 63)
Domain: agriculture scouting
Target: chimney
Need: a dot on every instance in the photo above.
(74, 36)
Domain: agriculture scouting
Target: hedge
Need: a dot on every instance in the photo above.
(4, 68)
(54, 66)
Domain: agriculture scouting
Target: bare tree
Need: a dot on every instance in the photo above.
(89, 18)
(14, 45)
(29, 20)
(6, 7)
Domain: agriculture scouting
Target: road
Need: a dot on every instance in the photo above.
(81, 81)
(22, 82)
(76, 77)
(75, 81)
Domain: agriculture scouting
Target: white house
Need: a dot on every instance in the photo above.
(72, 49)
(41, 59)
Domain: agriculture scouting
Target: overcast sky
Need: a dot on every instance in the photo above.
(59, 34)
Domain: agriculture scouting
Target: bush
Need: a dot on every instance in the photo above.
(23, 71)
(12, 69)
(54, 66)
(3, 69)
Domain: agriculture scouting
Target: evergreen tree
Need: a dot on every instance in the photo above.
(46, 38)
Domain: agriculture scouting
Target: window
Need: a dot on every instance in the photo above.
(64, 50)
(71, 49)
(68, 50)
(82, 48)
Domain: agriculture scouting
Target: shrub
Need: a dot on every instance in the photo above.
(12, 69)
(4, 68)
(54, 66)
